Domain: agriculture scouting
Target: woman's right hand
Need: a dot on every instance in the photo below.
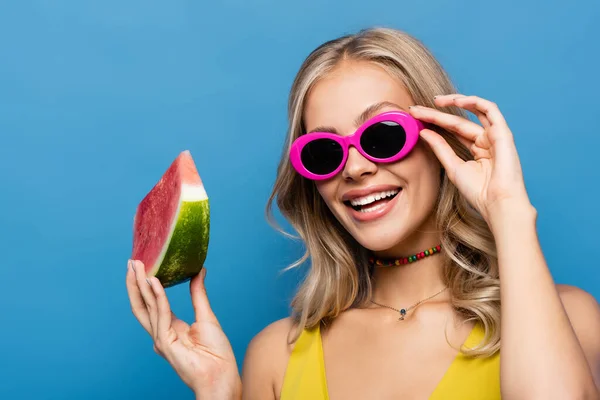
(200, 353)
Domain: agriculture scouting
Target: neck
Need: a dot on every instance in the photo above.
(402, 285)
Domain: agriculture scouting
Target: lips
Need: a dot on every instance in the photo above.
(371, 203)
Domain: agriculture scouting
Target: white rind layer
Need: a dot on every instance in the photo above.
(193, 193)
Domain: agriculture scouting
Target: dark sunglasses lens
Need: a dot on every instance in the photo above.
(322, 156)
(383, 139)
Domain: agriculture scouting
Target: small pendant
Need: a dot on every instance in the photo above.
(402, 314)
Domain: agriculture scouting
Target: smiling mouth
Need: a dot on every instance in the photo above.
(372, 202)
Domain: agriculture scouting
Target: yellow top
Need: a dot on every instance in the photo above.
(466, 379)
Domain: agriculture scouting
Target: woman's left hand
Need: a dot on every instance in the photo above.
(494, 177)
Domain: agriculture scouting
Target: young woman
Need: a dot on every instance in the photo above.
(426, 276)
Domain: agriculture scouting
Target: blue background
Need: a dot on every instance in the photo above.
(98, 97)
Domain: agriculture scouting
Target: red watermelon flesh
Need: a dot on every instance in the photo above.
(172, 224)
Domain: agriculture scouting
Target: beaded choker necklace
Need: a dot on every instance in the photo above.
(404, 260)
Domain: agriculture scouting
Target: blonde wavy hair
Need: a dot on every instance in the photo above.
(339, 276)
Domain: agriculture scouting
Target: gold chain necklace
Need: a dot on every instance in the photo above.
(403, 311)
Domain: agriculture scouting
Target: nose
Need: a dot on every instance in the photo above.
(357, 167)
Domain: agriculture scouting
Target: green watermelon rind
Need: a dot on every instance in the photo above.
(188, 244)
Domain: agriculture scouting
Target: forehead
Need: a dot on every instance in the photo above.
(339, 98)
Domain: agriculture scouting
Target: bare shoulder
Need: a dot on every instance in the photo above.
(273, 338)
(581, 307)
(266, 360)
(584, 313)
(578, 301)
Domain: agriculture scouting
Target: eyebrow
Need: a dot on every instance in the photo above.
(362, 118)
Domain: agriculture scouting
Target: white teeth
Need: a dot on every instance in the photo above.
(362, 201)
(366, 210)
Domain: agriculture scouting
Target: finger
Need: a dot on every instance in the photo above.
(450, 100)
(443, 152)
(483, 142)
(163, 321)
(480, 116)
(180, 328)
(147, 294)
(178, 325)
(447, 97)
(488, 108)
(200, 301)
(465, 128)
(138, 307)
(479, 153)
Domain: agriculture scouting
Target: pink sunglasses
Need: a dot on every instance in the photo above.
(385, 138)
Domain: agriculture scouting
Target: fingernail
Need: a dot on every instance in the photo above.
(148, 281)
(203, 273)
(133, 266)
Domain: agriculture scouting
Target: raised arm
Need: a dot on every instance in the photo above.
(545, 354)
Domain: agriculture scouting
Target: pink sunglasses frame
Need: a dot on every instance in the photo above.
(411, 126)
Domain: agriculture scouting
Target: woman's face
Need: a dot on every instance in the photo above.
(337, 101)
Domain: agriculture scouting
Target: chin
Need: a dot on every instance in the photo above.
(403, 223)
(380, 239)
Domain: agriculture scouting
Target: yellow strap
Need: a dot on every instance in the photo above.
(305, 373)
(471, 378)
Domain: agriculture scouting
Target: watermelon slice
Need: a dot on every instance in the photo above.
(172, 223)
